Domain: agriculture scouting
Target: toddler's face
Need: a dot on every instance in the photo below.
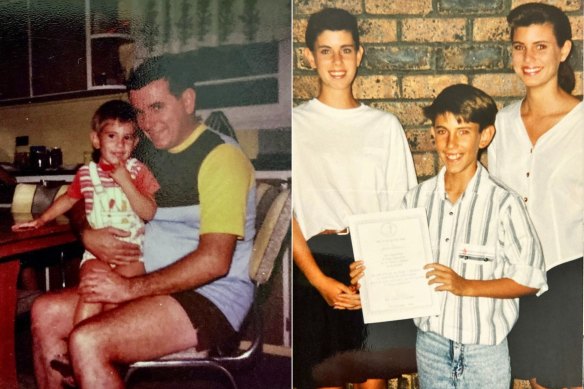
(115, 140)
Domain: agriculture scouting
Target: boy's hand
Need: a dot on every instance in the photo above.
(121, 175)
(356, 271)
(27, 225)
(446, 278)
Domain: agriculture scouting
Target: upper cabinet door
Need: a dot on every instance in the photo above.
(58, 48)
(14, 64)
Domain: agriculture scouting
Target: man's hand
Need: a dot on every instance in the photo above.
(106, 246)
(105, 286)
(446, 278)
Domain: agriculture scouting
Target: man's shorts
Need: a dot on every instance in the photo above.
(213, 328)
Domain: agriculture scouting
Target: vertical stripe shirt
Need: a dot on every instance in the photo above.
(485, 235)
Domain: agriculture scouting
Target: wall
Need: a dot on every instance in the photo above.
(65, 123)
(414, 49)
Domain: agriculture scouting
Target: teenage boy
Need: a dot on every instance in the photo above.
(347, 158)
(486, 251)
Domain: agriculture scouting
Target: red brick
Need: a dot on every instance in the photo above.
(576, 22)
(298, 29)
(434, 30)
(418, 7)
(565, 5)
(305, 87)
(490, 29)
(500, 85)
(376, 87)
(419, 87)
(408, 113)
(308, 7)
(425, 164)
(420, 139)
(378, 30)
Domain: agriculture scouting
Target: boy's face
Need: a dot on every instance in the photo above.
(458, 144)
(115, 140)
(335, 58)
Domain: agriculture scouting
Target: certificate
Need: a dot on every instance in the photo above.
(394, 247)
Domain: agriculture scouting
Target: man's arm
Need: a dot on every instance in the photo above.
(211, 260)
(103, 242)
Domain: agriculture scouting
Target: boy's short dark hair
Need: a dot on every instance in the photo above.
(169, 67)
(467, 103)
(333, 19)
(119, 110)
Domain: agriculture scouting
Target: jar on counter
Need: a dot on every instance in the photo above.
(39, 157)
(55, 158)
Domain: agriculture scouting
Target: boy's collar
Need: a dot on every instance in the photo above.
(472, 186)
(189, 140)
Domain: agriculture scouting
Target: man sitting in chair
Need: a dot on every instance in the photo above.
(197, 290)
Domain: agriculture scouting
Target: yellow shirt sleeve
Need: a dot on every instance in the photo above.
(225, 178)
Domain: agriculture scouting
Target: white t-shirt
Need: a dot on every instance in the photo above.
(549, 177)
(346, 161)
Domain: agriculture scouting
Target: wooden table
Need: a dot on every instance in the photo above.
(13, 244)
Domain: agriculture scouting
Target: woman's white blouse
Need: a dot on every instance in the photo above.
(548, 175)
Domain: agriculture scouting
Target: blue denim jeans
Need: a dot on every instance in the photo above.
(445, 364)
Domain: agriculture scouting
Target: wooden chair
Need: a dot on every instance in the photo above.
(273, 215)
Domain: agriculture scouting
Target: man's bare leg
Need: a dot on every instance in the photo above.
(142, 329)
(51, 322)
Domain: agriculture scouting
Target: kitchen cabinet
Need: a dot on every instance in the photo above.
(59, 48)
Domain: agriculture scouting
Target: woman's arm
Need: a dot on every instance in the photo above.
(328, 287)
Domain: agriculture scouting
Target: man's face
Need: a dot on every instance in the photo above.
(165, 119)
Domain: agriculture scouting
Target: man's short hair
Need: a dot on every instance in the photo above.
(115, 110)
(167, 67)
(467, 103)
(333, 19)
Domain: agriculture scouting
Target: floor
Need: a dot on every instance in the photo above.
(272, 372)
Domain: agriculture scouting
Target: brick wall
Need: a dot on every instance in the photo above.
(415, 48)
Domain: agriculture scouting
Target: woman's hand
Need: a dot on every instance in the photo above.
(331, 290)
(446, 279)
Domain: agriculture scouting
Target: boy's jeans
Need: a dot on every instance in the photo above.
(445, 364)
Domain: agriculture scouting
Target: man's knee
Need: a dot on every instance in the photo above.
(51, 313)
(43, 311)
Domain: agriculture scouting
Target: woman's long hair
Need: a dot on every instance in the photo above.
(538, 13)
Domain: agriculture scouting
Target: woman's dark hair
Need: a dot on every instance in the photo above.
(333, 19)
(537, 13)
